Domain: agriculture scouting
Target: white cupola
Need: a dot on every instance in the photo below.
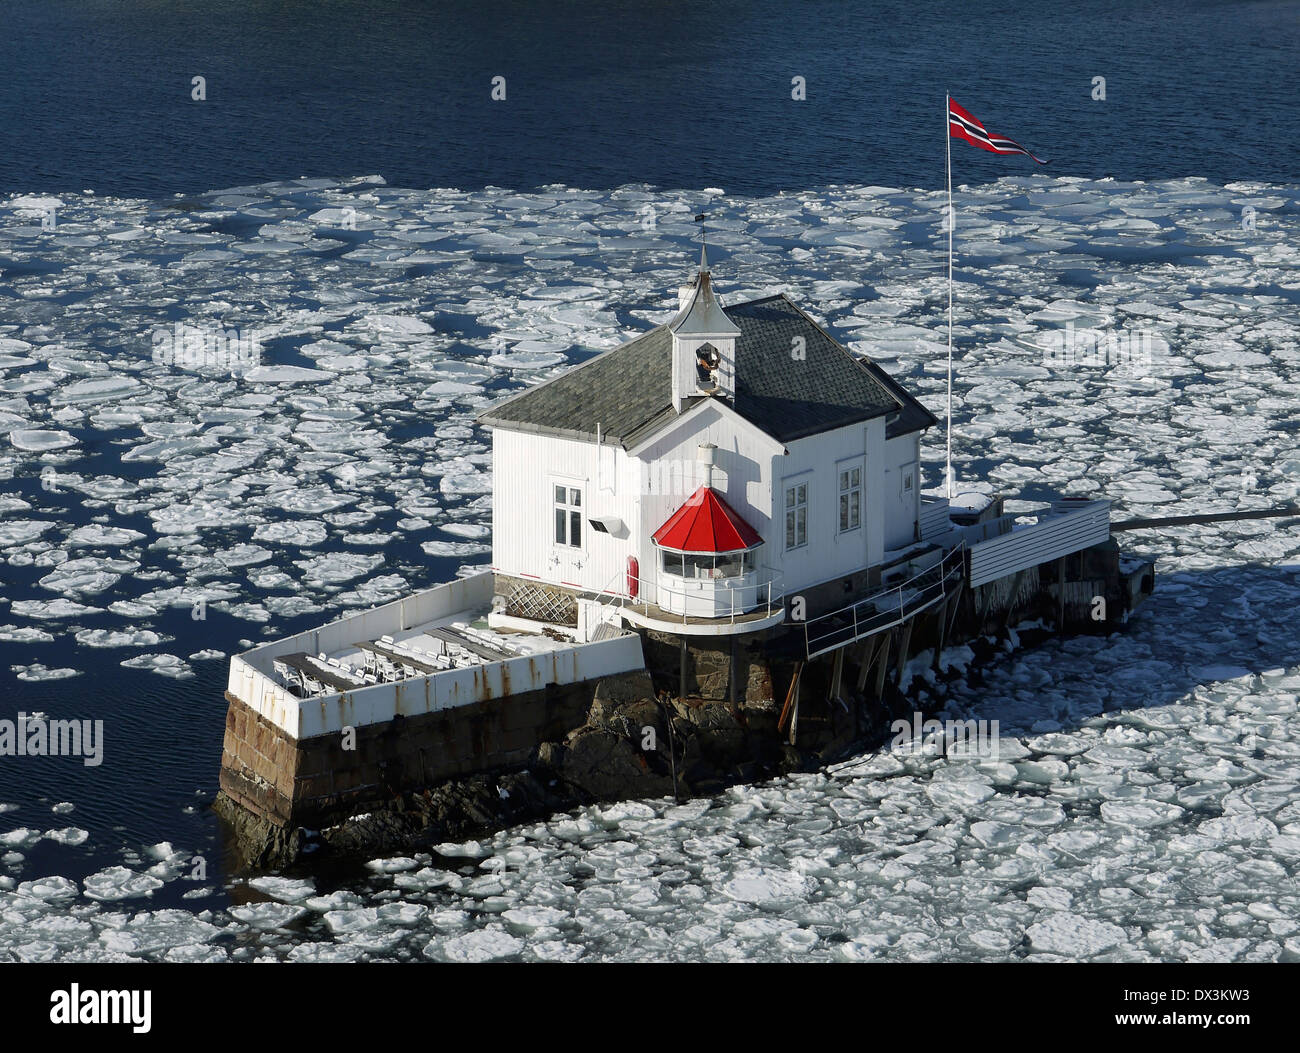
(704, 342)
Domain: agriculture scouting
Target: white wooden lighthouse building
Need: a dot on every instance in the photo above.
(702, 471)
(727, 471)
(730, 470)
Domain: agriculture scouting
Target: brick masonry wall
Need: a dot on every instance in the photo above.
(258, 763)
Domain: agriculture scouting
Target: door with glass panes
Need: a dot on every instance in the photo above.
(568, 530)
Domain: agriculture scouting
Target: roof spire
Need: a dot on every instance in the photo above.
(704, 240)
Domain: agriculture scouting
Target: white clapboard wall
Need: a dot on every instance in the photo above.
(934, 516)
(1071, 527)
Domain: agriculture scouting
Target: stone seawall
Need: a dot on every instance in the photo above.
(311, 782)
(413, 783)
(733, 669)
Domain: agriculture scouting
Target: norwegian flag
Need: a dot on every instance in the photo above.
(963, 125)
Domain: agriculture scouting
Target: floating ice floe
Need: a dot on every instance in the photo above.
(87, 575)
(168, 665)
(268, 915)
(769, 889)
(40, 440)
(97, 536)
(333, 568)
(19, 838)
(117, 883)
(285, 375)
(69, 835)
(51, 609)
(287, 890)
(485, 945)
(176, 933)
(20, 532)
(36, 672)
(118, 638)
(24, 634)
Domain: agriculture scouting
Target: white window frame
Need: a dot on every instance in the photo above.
(907, 472)
(849, 464)
(795, 482)
(572, 509)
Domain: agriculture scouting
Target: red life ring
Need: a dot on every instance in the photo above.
(633, 576)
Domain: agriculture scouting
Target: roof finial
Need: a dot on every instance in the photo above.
(704, 239)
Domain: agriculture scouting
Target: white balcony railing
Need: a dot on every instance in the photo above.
(761, 590)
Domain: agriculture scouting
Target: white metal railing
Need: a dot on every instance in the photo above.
(885, 609)
(473, 592)
(766, 593)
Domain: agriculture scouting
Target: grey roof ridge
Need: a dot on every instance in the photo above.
(511, 399)
(902, 399)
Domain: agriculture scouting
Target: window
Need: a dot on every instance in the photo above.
(568, 516)
(736, 565)
(850, 498)
(909, 480)
(796, 515)
(699, 565)
(706, 565)
(729, 565)
(707, 360)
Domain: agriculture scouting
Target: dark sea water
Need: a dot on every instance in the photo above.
(97, 94)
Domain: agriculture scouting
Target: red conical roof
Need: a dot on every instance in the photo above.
(706, 523)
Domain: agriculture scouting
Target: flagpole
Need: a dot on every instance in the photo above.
(949, 483)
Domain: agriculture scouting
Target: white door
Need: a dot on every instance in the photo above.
(900, 505)
(568, 530)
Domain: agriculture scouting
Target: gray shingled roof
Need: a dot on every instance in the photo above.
(619, 390)
(628, 390)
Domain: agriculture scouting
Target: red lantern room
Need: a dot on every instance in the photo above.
(706, 553)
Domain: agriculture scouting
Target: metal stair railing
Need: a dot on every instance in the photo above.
(884, 609)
